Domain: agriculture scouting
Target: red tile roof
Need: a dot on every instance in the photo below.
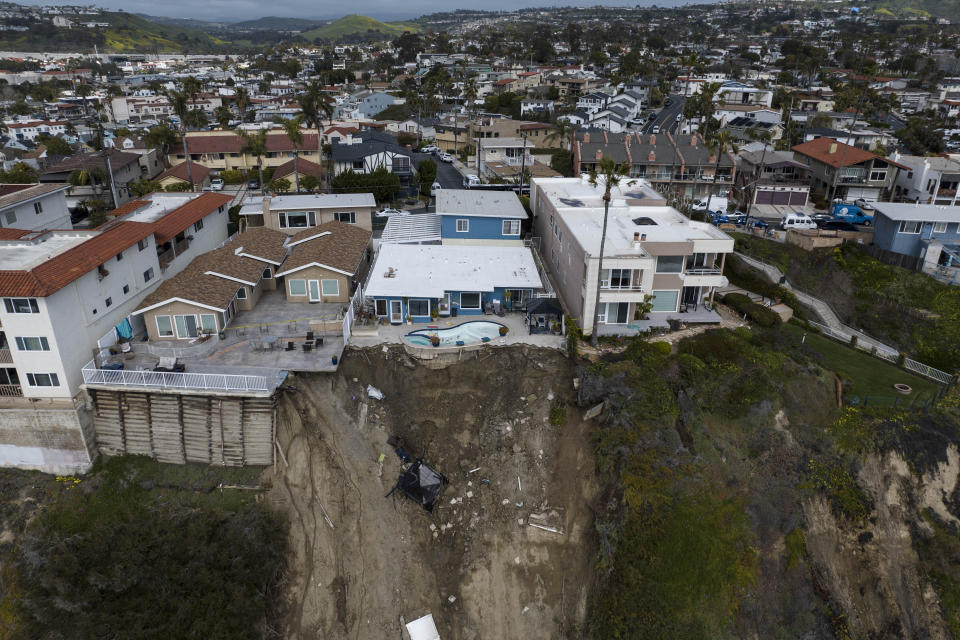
(306, 168)
(56, 273)
(180, 172)
(167, 227)
(232, 143)
(126, 208)
(819, 150)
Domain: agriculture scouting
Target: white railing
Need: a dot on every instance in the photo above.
(927, 371)
(172, 380)
(703, 271)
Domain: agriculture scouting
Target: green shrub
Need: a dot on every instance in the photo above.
(761, 315)
(573, 337)
(232, 176)
(832, 478)
(558, 415)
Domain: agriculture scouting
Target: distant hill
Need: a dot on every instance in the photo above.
(187, 23)
(949, 9)
(277, 23)
(356, 27)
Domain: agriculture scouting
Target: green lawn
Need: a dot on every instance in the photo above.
(870, 376)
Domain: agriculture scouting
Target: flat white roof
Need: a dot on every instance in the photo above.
(27, 254)
(159, 206)
(910, 212)
(323, 200)
(419, 227)
(428, 271)
(469, 202)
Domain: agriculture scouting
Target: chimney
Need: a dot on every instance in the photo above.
(653, 139)
(586, 137)
(636, 240)
(652, 156)
(693, 140)
(266, 209)
(833, 148)
(599, 154)
(712, 159)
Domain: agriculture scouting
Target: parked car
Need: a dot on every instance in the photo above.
(253, 184)
(719, 203)
(470, 180)
(430, 148)
(837, 225)
(434, 188)
(797, 221)
(216, 184)
(445, 157)
(863, 204)
(852, 213)
(758, 223)
(656, 129)
(679, 117)
(387, 212)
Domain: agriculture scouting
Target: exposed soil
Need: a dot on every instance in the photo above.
(475, 563)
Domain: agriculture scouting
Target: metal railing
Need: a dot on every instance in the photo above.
(5, 356)
(703, 271)
(173, 380)
(11, 390)
(626, 287)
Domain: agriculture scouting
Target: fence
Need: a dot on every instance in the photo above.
(356, 302)
(173, 380)
(910, 365)
(912, 402)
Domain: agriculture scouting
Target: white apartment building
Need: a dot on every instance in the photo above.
(32, 129)
(32, 207)
(650, 249)
(137, 108)
(927, 180)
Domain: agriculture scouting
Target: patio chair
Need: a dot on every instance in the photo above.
(307, 346)
(309, 336)
(289, 346)
(319, 342)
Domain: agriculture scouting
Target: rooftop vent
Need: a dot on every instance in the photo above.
(644, 222)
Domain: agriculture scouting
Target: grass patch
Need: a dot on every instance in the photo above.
(868, 375)
(558, 415)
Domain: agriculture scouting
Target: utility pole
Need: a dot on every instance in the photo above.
(523, 160)
(113, 186)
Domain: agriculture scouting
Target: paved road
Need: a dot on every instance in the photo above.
(447, 174)
(667, 118)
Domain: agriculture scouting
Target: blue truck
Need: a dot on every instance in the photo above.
(851, 213)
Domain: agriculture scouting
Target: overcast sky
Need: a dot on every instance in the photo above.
(234, 10)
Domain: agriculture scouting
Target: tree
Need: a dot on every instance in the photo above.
(609, 174)
(223, 116)
(765, 137)
(20, 173)
(315, 106)
(254, 144)
(920, 137)
(719, 144)
(426, 174)
(161, 136)
(56, 146)
(309, 183)
(291, 126)
(820, 121)
(140, 188)
(280, 185)
(572, 35)
(242, 99)
(84, 91)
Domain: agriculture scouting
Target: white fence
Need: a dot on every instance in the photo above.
(355, 302)
(172, 380)
(908, 364)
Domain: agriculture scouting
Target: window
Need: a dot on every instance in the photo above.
(939, 227)
(463, 225)
(418, 307)
(910, 226)
(669, 264)
(37, 208)
(208, 323)
(298, 287)
(43, 380)
(242, 293)
(32, 344)
(21, 305)
(148, 275)
(108, 301)
(186, 326)
(615, 278)
(298, 220)
(345, 216)
(358, 164)
(380, 307)
(197, 225)
(878, 176)
(126, 288)
(120, 256)
(511, 227)
(142, 244)
(665, 301)
(469, 300)
(267, 274)
(330, 287)
(164, 327)
(11, 217)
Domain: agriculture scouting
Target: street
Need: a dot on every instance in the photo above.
(667, 118)
(447, 174)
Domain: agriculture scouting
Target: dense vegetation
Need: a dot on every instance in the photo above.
(143, 550)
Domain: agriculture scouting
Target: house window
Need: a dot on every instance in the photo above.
(37, 208)
(615, 278)
(142, 244)
(358, 164)
(511, 227)
(669, 264)
(148, 275)
(298, 220)
(208, 323)
(11, 217)
(108, 301)
(298, 287)
(878, 176)
(242, 293)
(469, 300)
(43, 380)
(164, 327)
(32, 344)
(345, 216)
(939, 227)
(267, 274)
(186, 326)
(21, 305)
(418, 308)
(463, 225)
(907, 226)
(330, 287)
(197, 225)
(380, 308)
(665, 301)
(126, 288)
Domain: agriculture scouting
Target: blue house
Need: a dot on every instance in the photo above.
(475, 217)
(419, 283)
(927, 231)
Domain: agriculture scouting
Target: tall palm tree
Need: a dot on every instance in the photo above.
(561, 130)
(255, 144)
(242, 98)
(609, 173)
(721, 142)
(315, 107)
(291, 126)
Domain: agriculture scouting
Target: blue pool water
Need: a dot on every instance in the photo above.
(468, 333)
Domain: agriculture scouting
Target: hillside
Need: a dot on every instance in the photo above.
(949, 9)
(355, 27)
(276, 23)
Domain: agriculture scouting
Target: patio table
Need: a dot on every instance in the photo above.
(268, 342)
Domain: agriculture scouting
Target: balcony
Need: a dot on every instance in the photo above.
(703, 271)
(6, 357)
(11, 391)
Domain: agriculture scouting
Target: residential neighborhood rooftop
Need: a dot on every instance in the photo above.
(471, 202)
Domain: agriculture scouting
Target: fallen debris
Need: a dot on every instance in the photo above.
(373, 392)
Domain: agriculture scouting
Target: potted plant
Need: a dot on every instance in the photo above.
(435, 340)
(503, 331)
(434, 313)
(409, 319)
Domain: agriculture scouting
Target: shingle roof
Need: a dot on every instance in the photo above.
(820, 150)
(118, 159)
(176, 221)
(306, 168)
(338, 244)
(195, 285)
(261, 242)
(180, 172)
(27, 192)
(54, 274)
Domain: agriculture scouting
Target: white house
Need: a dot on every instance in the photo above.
(928, 179)
(34, 207)
(31, 129)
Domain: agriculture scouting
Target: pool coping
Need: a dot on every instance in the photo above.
(454, 347)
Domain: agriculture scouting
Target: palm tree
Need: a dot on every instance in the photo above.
(223, 116)
(315, 106)
(721, 142)
(84, 91)
(255, 144)
(610, 174)
(291, 127)
(181, 106)
(561, 130)
(242, 97)
(765, 137)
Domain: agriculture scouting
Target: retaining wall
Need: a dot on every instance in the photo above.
(53, 440)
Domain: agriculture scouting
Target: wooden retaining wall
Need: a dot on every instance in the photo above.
(179, 428)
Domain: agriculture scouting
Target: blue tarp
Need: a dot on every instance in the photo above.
(124, 329)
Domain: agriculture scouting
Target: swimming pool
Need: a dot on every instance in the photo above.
(468, 333)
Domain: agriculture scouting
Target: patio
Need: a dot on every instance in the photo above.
(274, 315)
(655, 320)
(515, 323)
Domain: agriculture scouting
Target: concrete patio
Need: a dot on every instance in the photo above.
(658, 320)
(372, 335)
(274, 315)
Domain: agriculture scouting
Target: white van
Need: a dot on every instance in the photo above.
(470, 180)
(797, 221)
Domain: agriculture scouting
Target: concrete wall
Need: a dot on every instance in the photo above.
(816, 239)
(54, 440)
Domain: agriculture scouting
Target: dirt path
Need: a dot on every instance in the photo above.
(475, 563)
